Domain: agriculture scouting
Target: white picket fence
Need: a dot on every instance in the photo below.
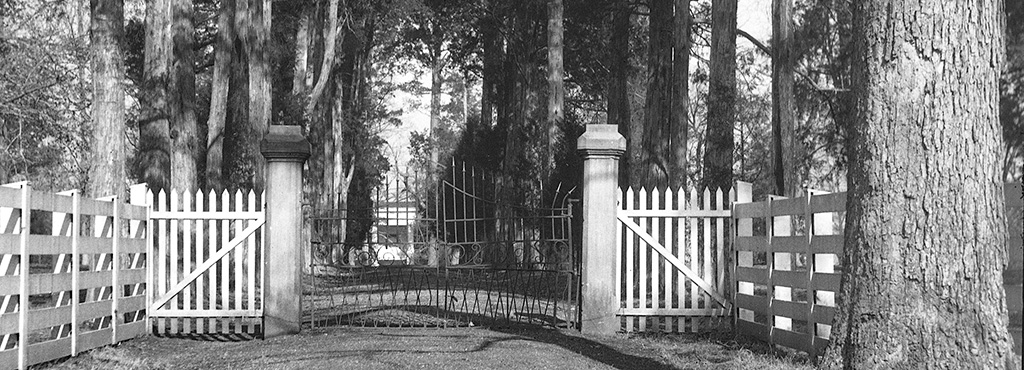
(208, 275)
(670, 247)
(84, 288)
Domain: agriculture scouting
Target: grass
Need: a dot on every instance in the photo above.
(465, 348)
(719, 351)
(107, 358)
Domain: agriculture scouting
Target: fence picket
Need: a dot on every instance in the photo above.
(719, 265)
(694, 290)
(250, 254)
(186, 268)
(225, 236)
(671, 323)
(630, 269)
(238, 260)
(681, 253)
(642, 256)
(655, 259)
(162, 253)
(706, 261)
(200, 283)
(212, 282)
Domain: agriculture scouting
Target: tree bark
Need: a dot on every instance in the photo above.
(185, 148)
(107, 170)
(492, 69)
(330, 40)
(556, 83)
(679, 127)
(219, 96)
(154, 162)
(301, 51)
(435, 103)
(238, 153)
(657, 113)
(718, 156)
(784, 143)
(618, 84)
(925, 235)
(257, 41)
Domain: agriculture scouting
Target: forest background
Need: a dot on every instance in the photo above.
(202, 80)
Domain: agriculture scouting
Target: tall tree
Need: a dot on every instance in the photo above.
(784, 143)
(257, 43)
(718, 155)
(657, 113)
(107, 170)
(219, 95)
(679, 125)
(925, 234)
(302, 38)
(154, 160)
(556, 82)
(618, 83)
(492, 59)
(181, 99)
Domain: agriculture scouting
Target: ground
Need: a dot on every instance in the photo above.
(460, 348)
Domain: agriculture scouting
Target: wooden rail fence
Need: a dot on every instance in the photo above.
(72, 273)
(786, 275)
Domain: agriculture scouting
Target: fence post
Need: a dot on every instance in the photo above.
(286, 150)
(741, 227)
(601, 146)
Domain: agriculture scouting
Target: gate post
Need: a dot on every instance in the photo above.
(601, 146)
(286, 150)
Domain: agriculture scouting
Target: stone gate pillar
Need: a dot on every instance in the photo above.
(286, 150)
(601, 146)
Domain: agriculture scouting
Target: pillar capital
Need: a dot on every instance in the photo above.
(285, 143)
(601, 141)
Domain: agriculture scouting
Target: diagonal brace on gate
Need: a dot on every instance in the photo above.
(673, 260)
(206, 265)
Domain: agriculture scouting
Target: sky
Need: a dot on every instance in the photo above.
(753, 16)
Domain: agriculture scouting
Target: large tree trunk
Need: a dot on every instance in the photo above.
(107, 170)
(679, 129)
(219, 96)
(493, 56)
(154, 161)
(435, 104)
(718, 156)
(257, 41)
(618, 84)
(330, 40)
(185, 148)
(925, 224)
(556, 83)
(238, 161)
(301, 51)
(784, 143)
(657, 113)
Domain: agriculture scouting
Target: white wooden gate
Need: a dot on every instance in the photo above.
(670, 247)
(208, 275)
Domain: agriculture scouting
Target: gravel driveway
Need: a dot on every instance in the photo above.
(418, 348)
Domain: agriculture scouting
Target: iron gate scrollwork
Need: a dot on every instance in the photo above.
(443, 253)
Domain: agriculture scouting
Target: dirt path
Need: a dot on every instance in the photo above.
(464, 348)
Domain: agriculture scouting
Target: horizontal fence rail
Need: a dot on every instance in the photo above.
(72, 273)
(671, 244)
(786, 269)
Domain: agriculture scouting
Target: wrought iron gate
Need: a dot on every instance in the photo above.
(443, 253)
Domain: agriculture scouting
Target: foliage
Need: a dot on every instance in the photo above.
(44, 100)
